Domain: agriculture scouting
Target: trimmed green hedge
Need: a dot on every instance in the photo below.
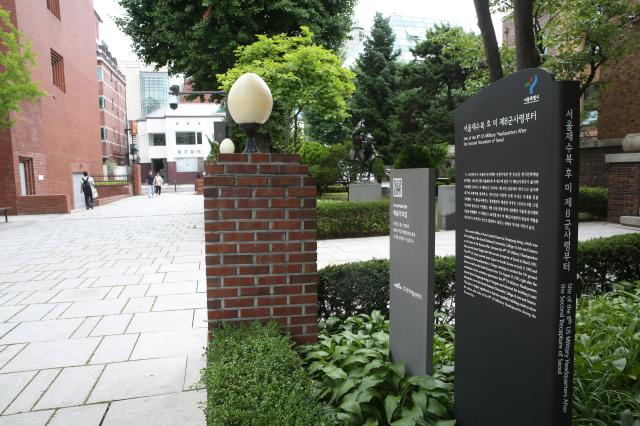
(593, 201)
(254, 377)
(342, 219)
(361, 287)
(335, 188)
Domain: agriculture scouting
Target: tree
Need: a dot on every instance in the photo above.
(526, 53)
(199, 38)
(574, 38)
(449, 67)
(489, 40)
(323, 164)
(15, 78)
(375, 69)
(304, 78)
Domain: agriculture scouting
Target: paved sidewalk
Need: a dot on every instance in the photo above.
(102, 315)
(335, 252)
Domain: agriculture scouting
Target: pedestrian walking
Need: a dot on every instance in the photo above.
(87, 187)
(150, 184)
(157, 182)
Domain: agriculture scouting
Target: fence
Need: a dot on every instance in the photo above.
(106, 180)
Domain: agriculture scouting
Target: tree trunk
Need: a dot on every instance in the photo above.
(526, 52)
(489, 40)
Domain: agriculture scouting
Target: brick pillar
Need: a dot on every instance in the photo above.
(260, 238)
(624, 185)
(137, 179)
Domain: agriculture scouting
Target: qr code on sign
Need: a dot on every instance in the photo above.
(397, 187)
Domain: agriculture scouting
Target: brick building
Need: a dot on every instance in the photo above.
(53, 139)
(113, 106)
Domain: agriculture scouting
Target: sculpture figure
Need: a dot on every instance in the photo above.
(363, 148)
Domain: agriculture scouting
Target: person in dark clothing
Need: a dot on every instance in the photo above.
(86, 188)
(150, 184)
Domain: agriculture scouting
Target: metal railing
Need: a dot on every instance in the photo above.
(112, 179)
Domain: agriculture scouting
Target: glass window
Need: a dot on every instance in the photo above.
(101, 102)
(103, 133)
(154, 91)
(157, 139)
(190, 164)
(100, 74)
(188, 138)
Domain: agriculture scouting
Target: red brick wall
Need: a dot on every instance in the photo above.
(619, 102)
(105, 191)
(58, 132)
(39, 204)
(260, 241)
(593, 169)
(624, 190)
(115, 113)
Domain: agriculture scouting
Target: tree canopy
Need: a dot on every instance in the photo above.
(376, 72)
(305, 80)
(199, 38)
(15, 78)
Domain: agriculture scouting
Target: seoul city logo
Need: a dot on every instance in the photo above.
(531, 83)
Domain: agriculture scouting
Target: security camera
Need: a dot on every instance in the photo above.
(173, 96)
(173, 105)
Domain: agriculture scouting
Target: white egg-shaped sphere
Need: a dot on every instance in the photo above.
(249, 100)
(227, 146)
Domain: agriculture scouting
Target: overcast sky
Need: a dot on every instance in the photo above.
(460, 12)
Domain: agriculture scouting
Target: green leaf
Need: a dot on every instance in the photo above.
(419, 398)
(446, 423)
(334, 372)
(343, 388)
(351, 406)
(390, 405)
(435, 407)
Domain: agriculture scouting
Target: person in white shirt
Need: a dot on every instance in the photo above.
(88, 188)
(157, 183)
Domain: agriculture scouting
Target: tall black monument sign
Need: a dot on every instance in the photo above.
(411, 262)
(516, 195)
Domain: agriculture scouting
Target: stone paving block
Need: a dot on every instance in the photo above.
(114, 292)
(33, 312)
(112, 324)
(148, 269)
(116, 280)
(32, 393)
(72, 274)
(86, 327)
(33, 286)
(7, 312)
(34, 418)
(189, 259)
(12, 385)
(156, 321)
(40, 297)
(195, 363)
(86, 415)
(9, 352)
(9, 269)
(172, 288)
(152, 278)
(180, 408)
(71, 387)
(52, 354)
(57, 311)
(6, 328)
(170, 343)
(18, 298)
(179, 267)
(180, 301)
(116, 273)
(37, 331)
(114, 349)
(173, 277)
(80, 295)
(17, 277)
(134, 379)
(69, 283)
(200, 318)
(139, 304)
(94, 307)
(131, 291)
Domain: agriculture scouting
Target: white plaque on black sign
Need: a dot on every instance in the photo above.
(411, 223)
(517, 145)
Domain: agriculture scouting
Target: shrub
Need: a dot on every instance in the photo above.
(334, 189)
(359, 384)
(322, 162)
(361, 287)
(254, 377)
(342, 219)
(417, 156)
(607, 360)
(593, 201)
(602, 261)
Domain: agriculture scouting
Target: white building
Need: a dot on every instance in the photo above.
(176, 142)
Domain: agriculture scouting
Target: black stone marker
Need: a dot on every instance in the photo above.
(517, 146)
(411, 220)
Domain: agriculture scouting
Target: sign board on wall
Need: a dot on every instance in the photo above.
(412, 223)
(517, 146)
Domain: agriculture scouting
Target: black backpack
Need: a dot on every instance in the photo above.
(86, 186)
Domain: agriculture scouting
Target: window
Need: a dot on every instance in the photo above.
(103, 133)
(157, 139)
(189, 165)
(102, 102)
(188, 138)
(57, 69)
(100, 74)
(54, 7)
(27, 184)
(113, 104)
(154, 91)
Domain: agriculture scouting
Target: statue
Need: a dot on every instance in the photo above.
(363, 148)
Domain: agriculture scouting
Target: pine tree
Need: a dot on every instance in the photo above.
(375, 81)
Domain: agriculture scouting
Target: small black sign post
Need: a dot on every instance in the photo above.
(411, 219)
(517, 146)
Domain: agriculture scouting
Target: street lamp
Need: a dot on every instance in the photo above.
(227, 147)
(249, 102)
